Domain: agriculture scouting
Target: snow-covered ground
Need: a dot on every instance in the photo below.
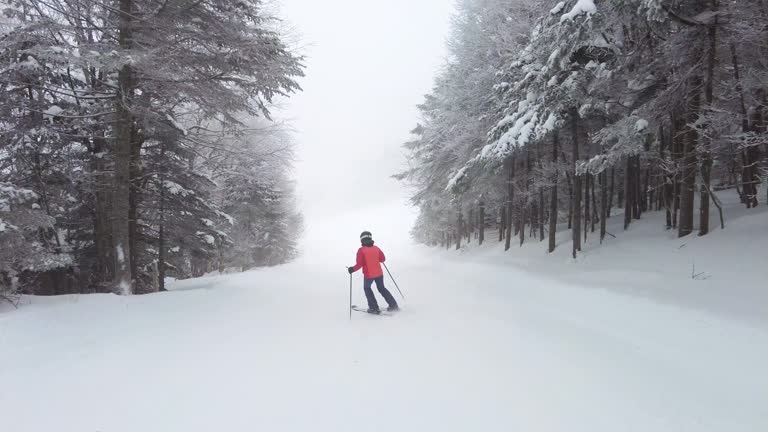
(623, 339)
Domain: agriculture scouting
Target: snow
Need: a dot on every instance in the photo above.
(124, 288)
(552, 81)
(177, 189)
(585, 109)
(176, 124)
(120, 253)
(527, 130)
(706, 17)
(30, 63)
(229, 218)
(206, 237)
(553, 57)
(10, 194)
(641, 125)
(586, 7)
(52, 112)
(621, 339)
(558, 8)
(551, 122)
(453, 181)
(5, 226)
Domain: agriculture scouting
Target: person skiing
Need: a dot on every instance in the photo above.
(369, 258)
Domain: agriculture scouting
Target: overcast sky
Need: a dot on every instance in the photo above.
(369, 64)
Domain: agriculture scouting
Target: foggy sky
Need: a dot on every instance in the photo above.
(369, 64)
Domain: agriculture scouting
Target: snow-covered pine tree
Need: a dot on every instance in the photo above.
(635, 104)
(81, 78)
(29, 241)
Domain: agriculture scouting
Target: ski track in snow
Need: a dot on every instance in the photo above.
(477, 347)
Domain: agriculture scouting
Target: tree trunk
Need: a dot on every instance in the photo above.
(470, 225)
(587, 206)
(754, 152)
(458, 231)
(628, 193)
(481, 223)
(620, 194)
(688, 186)
(133, 200)
(570, 200)
(638, 188)
(104, 260)
(611, 192)
(706, 155)
(510, 199)
(540, 207)
(521, 223)
(595, 216)
(603, 204)
(553, 197)
(667, 188)
(123, 280)
(577, 189)
(524, 207)
(647, 193)
(678, 146)
(541, 214)
(748, 163)
(161, 231)
(503, 222)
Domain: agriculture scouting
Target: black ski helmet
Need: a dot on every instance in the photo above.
(366, 238)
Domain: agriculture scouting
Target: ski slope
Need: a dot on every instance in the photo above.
(486, 341)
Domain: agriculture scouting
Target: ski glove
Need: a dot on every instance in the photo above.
(351, 270)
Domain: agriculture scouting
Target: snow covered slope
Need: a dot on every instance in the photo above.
(486, 341)
(724, 273)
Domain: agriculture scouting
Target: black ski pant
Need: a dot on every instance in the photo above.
(372, 304)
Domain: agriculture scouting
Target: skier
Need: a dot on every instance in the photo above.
(369, 258)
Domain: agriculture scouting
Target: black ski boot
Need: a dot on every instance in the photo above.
(373, 311)
(393, 309)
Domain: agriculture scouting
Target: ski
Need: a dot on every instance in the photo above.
(365, 310)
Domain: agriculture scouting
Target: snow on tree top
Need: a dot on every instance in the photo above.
(229, 218)
(52, 112)
(206, 237)
(10, 194)
(550, 124)
(558, 8)
(586, 7)
(552, 81)
(176, 124)
(30, 63)
(456, 178)
(176, 189)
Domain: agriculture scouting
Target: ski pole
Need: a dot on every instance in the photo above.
(393, 280)
(350, 296)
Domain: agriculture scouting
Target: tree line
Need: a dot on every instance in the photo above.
(564, 112)
(136, 143)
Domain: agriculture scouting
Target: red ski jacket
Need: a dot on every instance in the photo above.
(369, 258)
